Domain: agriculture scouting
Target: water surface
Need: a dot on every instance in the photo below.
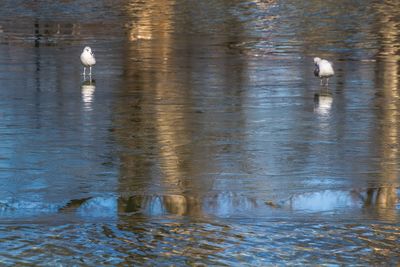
(202, 137)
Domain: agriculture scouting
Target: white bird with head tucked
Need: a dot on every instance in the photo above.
(88, 60)
(323, 69)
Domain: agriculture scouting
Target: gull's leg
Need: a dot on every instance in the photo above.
(327, 81)
(84, 71)
(321, 83)
(90, 72)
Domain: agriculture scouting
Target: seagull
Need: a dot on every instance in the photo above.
(323, 69)
(87, 59)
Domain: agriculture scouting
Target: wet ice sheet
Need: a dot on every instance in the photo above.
(370, 203)
(205, 112)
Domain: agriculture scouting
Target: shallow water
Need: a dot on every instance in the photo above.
(202, 137)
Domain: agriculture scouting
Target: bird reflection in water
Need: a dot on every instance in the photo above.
(323, 102)
(88, 88)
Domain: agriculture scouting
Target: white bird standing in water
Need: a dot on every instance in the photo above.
(88, 60)
(323, 69)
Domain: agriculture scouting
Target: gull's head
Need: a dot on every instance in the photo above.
(87, 49)
(317, 60)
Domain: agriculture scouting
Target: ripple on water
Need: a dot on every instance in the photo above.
(174, 242)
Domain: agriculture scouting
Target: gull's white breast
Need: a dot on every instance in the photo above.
(325, 68)
(87, 59)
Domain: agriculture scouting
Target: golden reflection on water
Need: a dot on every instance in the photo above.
(163, 82)
(151, 19)
(154, 27)
(389, 29)
(385, 196)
